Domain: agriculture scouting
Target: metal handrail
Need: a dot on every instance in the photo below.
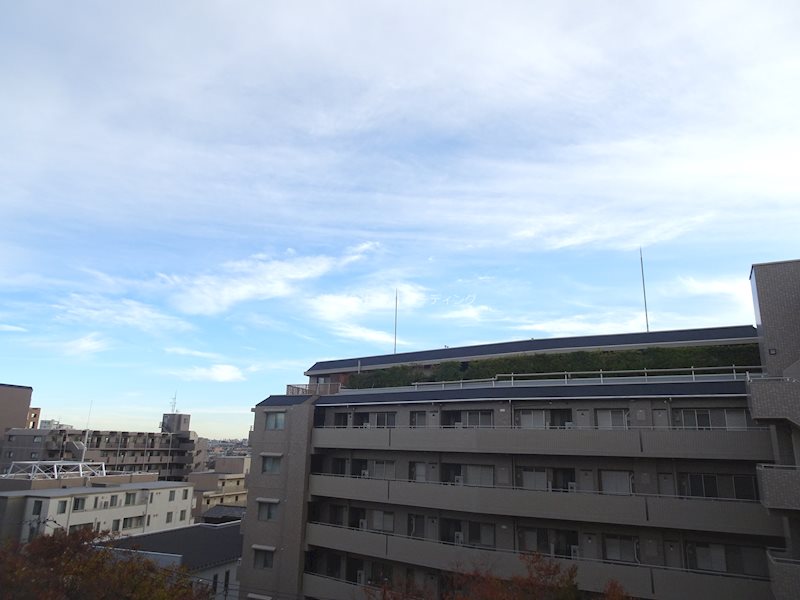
(778, 467)
(559, 427)
(516, 488)
(566, 376)
(579, 559)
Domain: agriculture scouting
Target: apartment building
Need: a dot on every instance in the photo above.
(126, 509)
(212, 489)
(173, 452)
(678, 481)
(15, 406)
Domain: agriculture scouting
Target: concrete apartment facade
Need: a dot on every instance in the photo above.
(678, 484)
(212, 489)
(173, 453)
(127, 508)
(15, 404)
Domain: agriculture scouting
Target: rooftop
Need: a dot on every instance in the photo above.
(97, 489)
(200, 546)
(683, 337)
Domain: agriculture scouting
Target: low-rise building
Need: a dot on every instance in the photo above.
(125, 509)
(214, 489)
(210, 553)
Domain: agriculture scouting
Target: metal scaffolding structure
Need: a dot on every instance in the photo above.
(54, 469)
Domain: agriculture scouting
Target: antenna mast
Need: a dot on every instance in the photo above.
(395, 321)
(644, 291)
(174, 402)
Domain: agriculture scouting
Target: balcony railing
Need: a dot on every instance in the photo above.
(740, 443)
(780, 486)
(639, 579)
(313, 389)
(785, 575)
(729, 515)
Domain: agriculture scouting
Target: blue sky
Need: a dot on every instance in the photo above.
(205, 198)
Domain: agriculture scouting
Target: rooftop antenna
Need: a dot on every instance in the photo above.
(86, 434)
(174, 403)
(644, 291)
(395, 321)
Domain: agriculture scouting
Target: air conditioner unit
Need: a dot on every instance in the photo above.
(360, 578)
(458, 424)
(458, 537)
(362, 523)
(569, 425)
(364, 473)
(572, 486)
(574, 552)
(458, 480)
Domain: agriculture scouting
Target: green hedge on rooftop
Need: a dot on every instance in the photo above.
(619, 360)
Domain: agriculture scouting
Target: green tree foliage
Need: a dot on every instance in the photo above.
(66, 566)
(618, 360)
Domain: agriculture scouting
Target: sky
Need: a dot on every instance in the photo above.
(199, 200)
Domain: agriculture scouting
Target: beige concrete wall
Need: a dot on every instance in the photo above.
(15, 401)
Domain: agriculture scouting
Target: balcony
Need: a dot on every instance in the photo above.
(702, 514)
(775, 399)
(641, 581)
(746, 444)
(780, 486)
(785, 575)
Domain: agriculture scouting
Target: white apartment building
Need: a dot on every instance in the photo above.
(126, 509)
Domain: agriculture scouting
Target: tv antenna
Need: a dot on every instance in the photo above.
(174, 403)
(644, 291)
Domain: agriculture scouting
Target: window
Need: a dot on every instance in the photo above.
(480, 534)
(271, 465)
(62, 507)
(530, 419)
(34, 455)
(419, 418)
(479, 418)
(416, 526)
(532, 478)
(275, 420)
(479, 475)
(336, 514)
(151, 497)
(616, 482)
(183, 515)
(130, 498)
(615, 418)
(361, 419)
(267, 511)
(115, 525)
(169, 517)
(735, 419)
(383, 469)
(385, 419)
(622, 548)
(383, 520)
(37, 508)
(131, 522)
(692, 418)
(112, 500)
(186, 494)
(79, 504)
(10, 454)
(262, 559)
(172, 495)
(96, 502)
(709, 485)
(417, 471)
(340, 420)
(37, 439)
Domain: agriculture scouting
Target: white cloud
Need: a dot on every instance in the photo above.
(88, 344)
(218, 373)
(255, 278)
(579, 325)
(365, 334)
(189, 352)
(469, 312)
(4, 327)
(122, 312)
(334, 308)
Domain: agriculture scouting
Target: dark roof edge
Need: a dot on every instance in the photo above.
(735, 333)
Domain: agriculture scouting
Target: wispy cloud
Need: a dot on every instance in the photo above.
(195, 353)
(118, 312)
(256, 278)
(217, 373)
(595, 324)
(4, 327)
(91, 343)
(470, 312)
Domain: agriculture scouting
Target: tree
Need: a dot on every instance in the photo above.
(544, 579)
(66, 566)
